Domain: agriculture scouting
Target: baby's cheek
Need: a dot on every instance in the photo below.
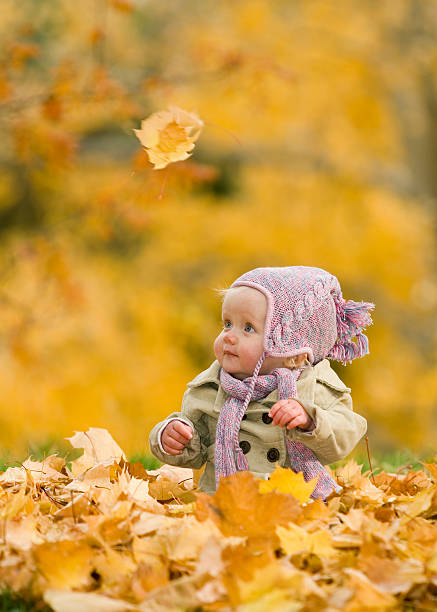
(218, 347)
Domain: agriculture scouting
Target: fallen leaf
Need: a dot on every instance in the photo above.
(294, 540)
(64, 565)
(21, 533)
(284, 480)
(96, 476)
(419, 504)
(349, 474)
(68, 601)
(393, 575)
(239, 509)
(98, 445)
(366, 596)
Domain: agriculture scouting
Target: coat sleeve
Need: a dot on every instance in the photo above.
(338, 428)
(194, 454)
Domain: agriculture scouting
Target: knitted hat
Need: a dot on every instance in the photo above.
(306, 313)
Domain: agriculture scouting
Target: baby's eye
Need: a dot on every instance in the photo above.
(227, 324)
(249, 328)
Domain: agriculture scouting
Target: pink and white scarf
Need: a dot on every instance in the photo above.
(228, 455)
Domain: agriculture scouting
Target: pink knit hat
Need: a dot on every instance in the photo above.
(306, 313)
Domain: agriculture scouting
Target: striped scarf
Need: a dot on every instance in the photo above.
(228, 455)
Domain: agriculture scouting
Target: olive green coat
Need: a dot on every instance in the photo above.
(321, 392)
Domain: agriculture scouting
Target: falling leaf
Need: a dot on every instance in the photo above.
(169, 136)
(285, 480)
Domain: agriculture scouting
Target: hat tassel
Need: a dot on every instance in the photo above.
(352, 318)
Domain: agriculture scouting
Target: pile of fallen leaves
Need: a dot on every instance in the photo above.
(107, 535)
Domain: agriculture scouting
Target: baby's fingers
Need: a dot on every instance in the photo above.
(172, 447)
(183, 430)
(274, 409)
(282, 418)
(177, 437)
(298, 421)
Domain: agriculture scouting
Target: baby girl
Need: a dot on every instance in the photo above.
(271, 396)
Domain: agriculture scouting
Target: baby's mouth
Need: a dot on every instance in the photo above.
(229, 353)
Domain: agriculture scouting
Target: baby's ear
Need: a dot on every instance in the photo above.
(301, 359)
(295, 362)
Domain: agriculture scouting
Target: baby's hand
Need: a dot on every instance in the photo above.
(175, 437)
(289, 412)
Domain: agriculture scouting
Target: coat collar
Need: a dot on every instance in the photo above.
(321, 372)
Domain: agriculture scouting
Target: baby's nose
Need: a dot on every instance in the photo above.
(230, 337)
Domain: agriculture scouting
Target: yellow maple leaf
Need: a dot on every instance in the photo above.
(285, 480)
(294, 540)
(169, 136)
(239, 509)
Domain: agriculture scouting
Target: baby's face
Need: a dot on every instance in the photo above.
(239, 346)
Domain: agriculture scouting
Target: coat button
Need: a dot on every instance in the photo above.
(245, 446)
(272, 454)
(266, 419)
(244, 417)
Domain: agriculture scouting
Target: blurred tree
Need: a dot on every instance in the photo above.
(319, 148)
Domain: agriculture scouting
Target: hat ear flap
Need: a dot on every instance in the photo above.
(352, 318)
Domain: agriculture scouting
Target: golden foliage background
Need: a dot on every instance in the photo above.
(319, 148)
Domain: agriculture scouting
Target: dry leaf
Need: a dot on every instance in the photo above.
(64, 565)
(169, 136)
(349, 474)
(68, 601)
(239, 509)
(370, 548)
(393, 575)
(294, 540)
(285, 480)
(98, 445)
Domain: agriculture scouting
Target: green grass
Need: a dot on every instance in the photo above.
(388, 461)
(392, 461)
(148, 461)
(11, 602)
